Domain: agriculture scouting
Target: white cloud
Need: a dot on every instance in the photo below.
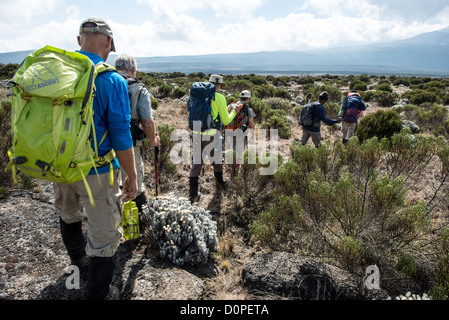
(218, 7)
(24, 11)
(178, 27)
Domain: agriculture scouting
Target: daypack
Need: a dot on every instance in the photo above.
(306, 116)
(352, 110)
(237, 122)
(135, 88)
(199, 106)
(52, 117)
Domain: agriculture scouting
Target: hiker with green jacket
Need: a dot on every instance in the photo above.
(220, 116)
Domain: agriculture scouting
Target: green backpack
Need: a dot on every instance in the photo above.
(52, 117)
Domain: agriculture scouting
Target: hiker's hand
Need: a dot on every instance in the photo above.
(157, 142)
(130, 188)
(237, 109)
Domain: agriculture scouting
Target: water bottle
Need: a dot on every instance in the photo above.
(130, 221)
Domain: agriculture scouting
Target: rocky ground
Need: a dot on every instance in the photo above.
(33, 260)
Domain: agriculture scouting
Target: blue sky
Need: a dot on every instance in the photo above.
(180, 27)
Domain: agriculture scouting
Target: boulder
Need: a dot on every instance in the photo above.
(413, 127)
(297, 277)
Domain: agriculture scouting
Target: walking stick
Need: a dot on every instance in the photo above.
(156, 156)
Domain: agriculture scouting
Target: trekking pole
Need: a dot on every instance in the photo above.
(156, 156)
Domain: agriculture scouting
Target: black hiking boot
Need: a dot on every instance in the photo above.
(73, 239)
(193, 190)
(221, 183)
(99, 279)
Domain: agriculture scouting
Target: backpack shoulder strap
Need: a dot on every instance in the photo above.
(103, 67)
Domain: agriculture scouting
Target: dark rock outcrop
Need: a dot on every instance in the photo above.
(298, 277)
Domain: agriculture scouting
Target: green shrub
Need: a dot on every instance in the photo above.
(384, 87)
(385, 98)
(277, 103)
(164, 91)
(258, 80)
(407, 265)
(279, 123)
(358, 85)
(164, 163)
(349, 253)
(279, 93)
(440, 287)
(154, 103)
(431, 118)
(381, 124)
(368, 96)
(315, 91)
(259, 107)
(277, 223)
(252, 190)
(7, 71)
(178, 92)
(419, 96)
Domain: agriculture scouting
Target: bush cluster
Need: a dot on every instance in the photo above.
(352, 203)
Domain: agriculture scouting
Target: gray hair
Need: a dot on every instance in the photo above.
(125, 62)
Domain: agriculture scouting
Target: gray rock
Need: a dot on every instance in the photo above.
(413, 127)
(298, 277)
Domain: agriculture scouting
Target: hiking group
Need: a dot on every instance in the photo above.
(82, 99)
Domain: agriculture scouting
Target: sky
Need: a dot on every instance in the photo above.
(149, 28)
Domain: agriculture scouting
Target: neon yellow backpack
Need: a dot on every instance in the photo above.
(52, 117)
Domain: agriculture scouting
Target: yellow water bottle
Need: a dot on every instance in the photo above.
(130, 220)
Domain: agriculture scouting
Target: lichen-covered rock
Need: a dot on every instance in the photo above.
(184, 232)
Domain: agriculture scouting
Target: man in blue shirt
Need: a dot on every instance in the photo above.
(111, 116)
(318, 116)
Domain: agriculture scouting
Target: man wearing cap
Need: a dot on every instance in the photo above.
(318, 116)
(111, 115)
(220, 116)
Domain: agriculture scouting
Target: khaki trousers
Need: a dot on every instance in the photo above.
(316, 137)
(348, 129)
(103, 221)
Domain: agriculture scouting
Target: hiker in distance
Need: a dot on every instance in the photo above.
(142, 123)
(111, 114)
(311, 117)
(351, 110)
(244, 120)
(207, 135)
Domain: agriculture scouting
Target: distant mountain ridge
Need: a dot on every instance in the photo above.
(424, 54)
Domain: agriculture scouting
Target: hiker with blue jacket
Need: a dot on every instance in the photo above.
(318, 115)
(111, 115)
(351, 110)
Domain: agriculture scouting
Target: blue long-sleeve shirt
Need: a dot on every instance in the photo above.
(111, 112)
(319, 115)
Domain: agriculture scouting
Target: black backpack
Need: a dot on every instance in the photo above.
(306, 116)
